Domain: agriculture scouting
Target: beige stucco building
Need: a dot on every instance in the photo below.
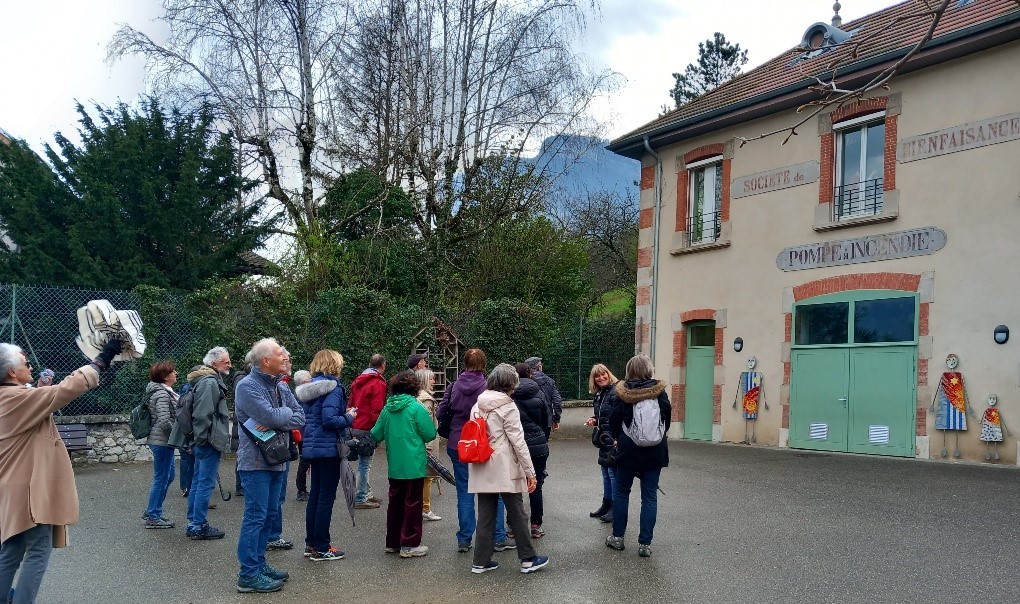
(852, 260)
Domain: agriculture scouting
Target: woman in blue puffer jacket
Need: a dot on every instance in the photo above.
(326, 420)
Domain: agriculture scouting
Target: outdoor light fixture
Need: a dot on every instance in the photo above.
(1001, 334)
(738, 344)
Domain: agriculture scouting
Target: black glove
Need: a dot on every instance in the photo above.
(110, 350)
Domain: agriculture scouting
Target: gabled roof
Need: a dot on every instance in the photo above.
(781, 84)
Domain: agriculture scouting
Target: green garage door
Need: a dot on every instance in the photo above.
(853, 373)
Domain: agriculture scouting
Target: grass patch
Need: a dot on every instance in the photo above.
(615, 303)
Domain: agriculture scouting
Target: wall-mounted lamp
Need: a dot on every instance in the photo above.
(1001, 334)
(738, 344)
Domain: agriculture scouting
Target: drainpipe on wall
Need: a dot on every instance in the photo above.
(655, 248)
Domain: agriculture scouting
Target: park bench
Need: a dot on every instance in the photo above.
(75, 436)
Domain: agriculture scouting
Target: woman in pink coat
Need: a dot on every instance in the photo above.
(508, 473)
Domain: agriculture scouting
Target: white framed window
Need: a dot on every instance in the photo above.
(860, 166)
(705, 200)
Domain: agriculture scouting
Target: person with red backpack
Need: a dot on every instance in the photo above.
(492, 440)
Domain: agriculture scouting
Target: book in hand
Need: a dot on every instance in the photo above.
(262, 435)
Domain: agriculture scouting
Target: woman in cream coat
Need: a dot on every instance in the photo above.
(508, 473)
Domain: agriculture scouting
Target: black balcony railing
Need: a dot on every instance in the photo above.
(703, 228)
(858, 199)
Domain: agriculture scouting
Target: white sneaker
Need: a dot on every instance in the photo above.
(430, 515)
(413, 552)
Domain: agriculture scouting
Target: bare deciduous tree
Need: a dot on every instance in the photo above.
(448, 97)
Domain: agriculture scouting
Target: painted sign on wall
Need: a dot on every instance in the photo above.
(774, 180)
(888, 246)
(960, 138)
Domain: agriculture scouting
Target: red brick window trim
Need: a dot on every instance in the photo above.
(709, 154)
(828, 141)
(703, 152)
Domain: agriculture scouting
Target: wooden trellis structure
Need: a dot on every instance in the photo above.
(444, 349)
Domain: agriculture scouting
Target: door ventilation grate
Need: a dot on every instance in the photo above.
(818, 432)
(878, 435)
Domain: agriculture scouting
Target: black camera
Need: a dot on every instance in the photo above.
(353, 445)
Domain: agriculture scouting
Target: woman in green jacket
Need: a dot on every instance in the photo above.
(405, 425)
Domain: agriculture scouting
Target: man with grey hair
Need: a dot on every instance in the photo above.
(209, 439)
(38, 496)
(548, 386)
(260, 399)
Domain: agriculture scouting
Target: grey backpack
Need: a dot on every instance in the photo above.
(647, 428)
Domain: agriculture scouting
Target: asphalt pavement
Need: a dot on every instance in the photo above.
(736, 524)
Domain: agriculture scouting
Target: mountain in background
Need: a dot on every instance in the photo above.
(584, 165)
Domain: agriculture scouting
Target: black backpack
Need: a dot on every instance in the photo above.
(185, 405)
(140, 421)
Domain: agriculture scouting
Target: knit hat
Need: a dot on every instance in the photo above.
(414, 359)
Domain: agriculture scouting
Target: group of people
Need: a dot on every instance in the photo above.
(519, 405)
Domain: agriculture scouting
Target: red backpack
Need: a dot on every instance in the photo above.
(474, 445)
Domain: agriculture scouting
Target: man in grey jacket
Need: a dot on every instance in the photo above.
(258, 398)
(210, 438)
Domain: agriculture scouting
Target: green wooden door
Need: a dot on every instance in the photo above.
(853, 373)
(699, 405)
(882, 399)
(819, 393)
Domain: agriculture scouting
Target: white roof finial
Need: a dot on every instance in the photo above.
(836, 19)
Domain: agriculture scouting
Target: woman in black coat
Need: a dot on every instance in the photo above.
(534, 408)
(638, 422)
(600, 383)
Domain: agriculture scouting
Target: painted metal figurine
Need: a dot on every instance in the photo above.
(749, 390)
(992, 427)
(952, 408)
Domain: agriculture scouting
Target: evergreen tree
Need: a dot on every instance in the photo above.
(718, 62)
(148, 197)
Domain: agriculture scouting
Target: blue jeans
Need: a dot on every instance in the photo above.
(162, 476)
(30, 551)
(364, 486)
(187, 469)
(319, 509)
(276, 528)
(466, 504)
(608, 479)
(207, 465)
(261, 495)
(649, 501)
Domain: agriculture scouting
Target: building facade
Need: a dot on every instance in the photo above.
(852, 261)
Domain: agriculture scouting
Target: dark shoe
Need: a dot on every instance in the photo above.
(327, 556)
(309, 551)
(302, 496)
(184, 492)
(484, 568)
(239, 492)
(206, 533)
(533, 564)
(607, 517)
(463, 546)
(615, 543)
(645, 551)
(260, 584)
(275, 573)
(607, 504)
(536, 531)
(158, 523)
(502, 546)
(280, 543)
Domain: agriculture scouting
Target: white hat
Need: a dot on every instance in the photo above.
(98, 322)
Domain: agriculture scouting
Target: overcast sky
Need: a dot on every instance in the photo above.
(54, 51)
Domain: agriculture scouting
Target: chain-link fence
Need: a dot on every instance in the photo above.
(42, 321)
